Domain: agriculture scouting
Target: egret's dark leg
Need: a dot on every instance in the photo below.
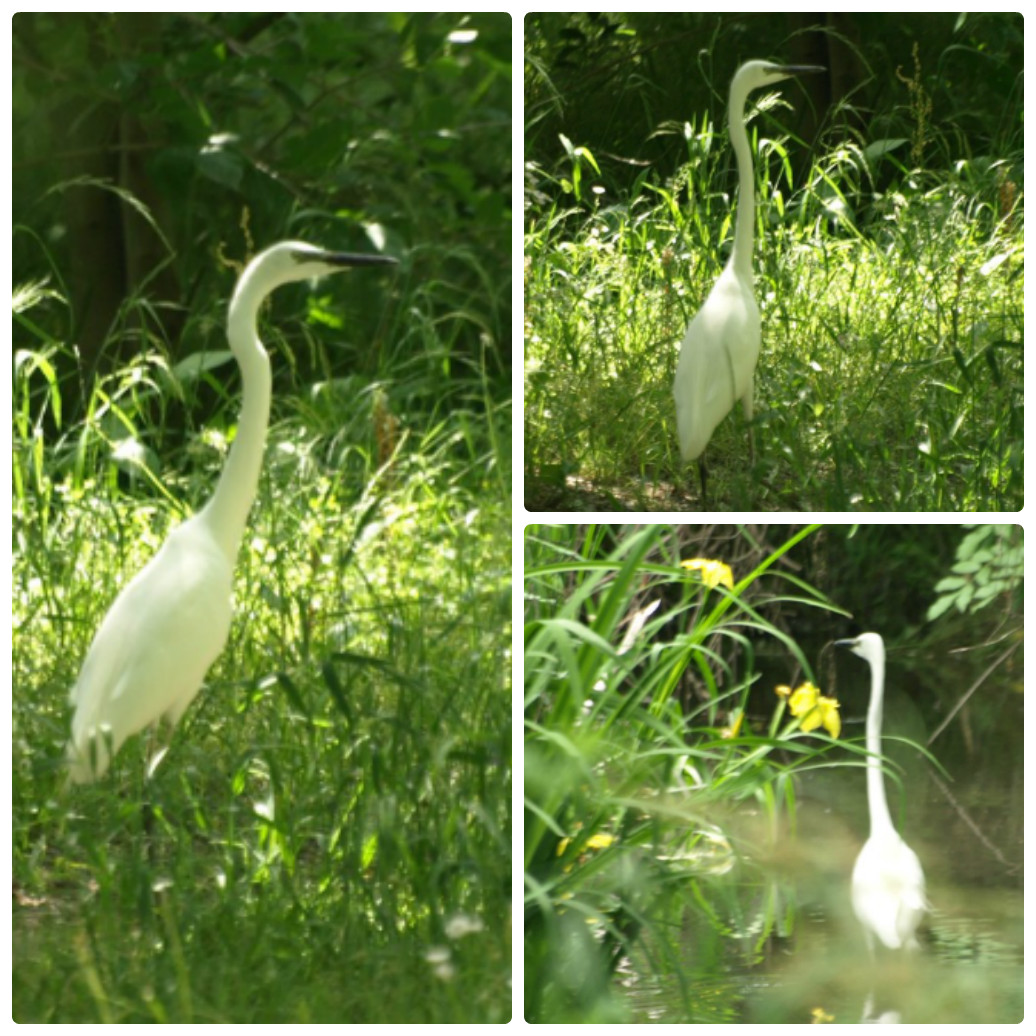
(147, 821)
(703, 474)
(746, 406)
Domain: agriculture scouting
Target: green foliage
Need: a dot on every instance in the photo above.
(267, 126)
(629, 778)
(610, 81)
(989, 565)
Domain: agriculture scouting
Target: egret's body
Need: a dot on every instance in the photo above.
(170, 622)
(888, 889)
(717, 360)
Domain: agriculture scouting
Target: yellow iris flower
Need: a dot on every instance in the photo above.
(814, 709)
(713, 573)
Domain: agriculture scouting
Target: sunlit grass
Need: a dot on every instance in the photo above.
(338, 795)
(890, 376)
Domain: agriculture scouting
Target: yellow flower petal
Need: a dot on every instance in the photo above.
(713, 573)
(803, 700)
(810, 721)
(814, 709)
(830, 717)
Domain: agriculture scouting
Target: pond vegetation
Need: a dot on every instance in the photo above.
(694, 774)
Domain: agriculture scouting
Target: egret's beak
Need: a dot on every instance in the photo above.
(352, 259)
(801, 70)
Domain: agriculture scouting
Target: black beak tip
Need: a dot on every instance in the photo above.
(360, 259)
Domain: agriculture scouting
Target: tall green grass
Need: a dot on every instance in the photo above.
(890, 376)
(638, 752)
(327, 839)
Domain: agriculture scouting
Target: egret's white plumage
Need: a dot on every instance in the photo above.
(888, 888)
(721, 346)
(165, 629)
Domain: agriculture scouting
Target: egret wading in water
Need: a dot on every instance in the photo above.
(888, 891)
(171, 621)
(721, 346)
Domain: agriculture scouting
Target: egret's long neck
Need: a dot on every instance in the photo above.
(879, 809)
(744, 229)
(227, 512)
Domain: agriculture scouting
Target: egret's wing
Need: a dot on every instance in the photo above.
(717, 361)
(155, 645)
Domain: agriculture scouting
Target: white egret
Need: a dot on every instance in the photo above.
(888, 892)
(721, 346)
(169, 623)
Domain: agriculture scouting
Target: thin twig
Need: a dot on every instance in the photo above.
(971, 690)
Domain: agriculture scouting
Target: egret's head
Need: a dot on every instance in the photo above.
(754, 74)
(284, 263)
(867, 645)
(289, 261)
